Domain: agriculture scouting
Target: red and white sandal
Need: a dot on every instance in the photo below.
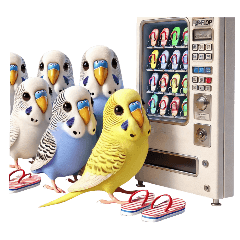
(163, 82)
(164, 37)
(174, 105)
(24, 182)
(153, 36)
(164, 210)
(137, 205)
(163, 105)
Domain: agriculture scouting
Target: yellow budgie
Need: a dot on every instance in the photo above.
(120, 151)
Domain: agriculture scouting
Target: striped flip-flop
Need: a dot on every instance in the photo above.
(26, 181)
(164, 210)
(138, 205)
(153, 36)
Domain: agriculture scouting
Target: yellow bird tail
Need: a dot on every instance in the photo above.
(64, 198)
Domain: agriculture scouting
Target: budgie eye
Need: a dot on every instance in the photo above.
(65, 67)
(23, 68)
(114, 63)
(67, 106)
(41, 66)
(118, 110)
(85, 65)
(26, 97)
(50, 91)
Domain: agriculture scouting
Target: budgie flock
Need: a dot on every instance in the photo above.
(64, 126)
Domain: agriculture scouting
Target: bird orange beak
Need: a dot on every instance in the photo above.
(53, 75)
(42, 102)
(85, 114)
(13, 74)
(101, 74)
(138, 116)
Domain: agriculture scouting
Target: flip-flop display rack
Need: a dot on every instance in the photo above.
(165, 70)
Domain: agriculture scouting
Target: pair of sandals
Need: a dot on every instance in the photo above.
(175, 36)
(163, 82)
(23, 182)
(174, 106)
(145, 204)
(163, 59)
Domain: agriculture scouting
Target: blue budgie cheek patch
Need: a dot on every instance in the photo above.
(28, 110)
(70, 122)
(85, 81)
(115, 78)
(66, 80)
(124, 125)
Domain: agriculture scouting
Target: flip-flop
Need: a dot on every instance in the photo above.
(175, 36)
(184, 84)
(163, 105)
(175, 106)
(174, 82)
(138, 205)
(175, 58)
(153, 81)
(185, 36)
(164, 210)
(163, 82)
(184, 107)
(164, 37)
(153, 103)
(185, 60)
(163, 59)
(23, 183)
(153, 36)
(153, 59)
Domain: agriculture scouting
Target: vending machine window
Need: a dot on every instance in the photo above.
(165, 70)
(185, 76)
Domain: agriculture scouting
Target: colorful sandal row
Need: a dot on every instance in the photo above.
(163, 104)
(145, 204)
(163, 82)
(164, 58)
(164, 35)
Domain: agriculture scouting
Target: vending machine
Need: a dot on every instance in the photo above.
(185, 76)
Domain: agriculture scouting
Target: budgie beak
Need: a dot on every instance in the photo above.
(100, 71)
(13, 74)
(84, 111)
(42, 100)
(136, 111)
(53, 72)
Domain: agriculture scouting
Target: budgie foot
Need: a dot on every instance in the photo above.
(73, 181)
(121, 190)
(15, 165)
(114, 200)
(54, 187)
